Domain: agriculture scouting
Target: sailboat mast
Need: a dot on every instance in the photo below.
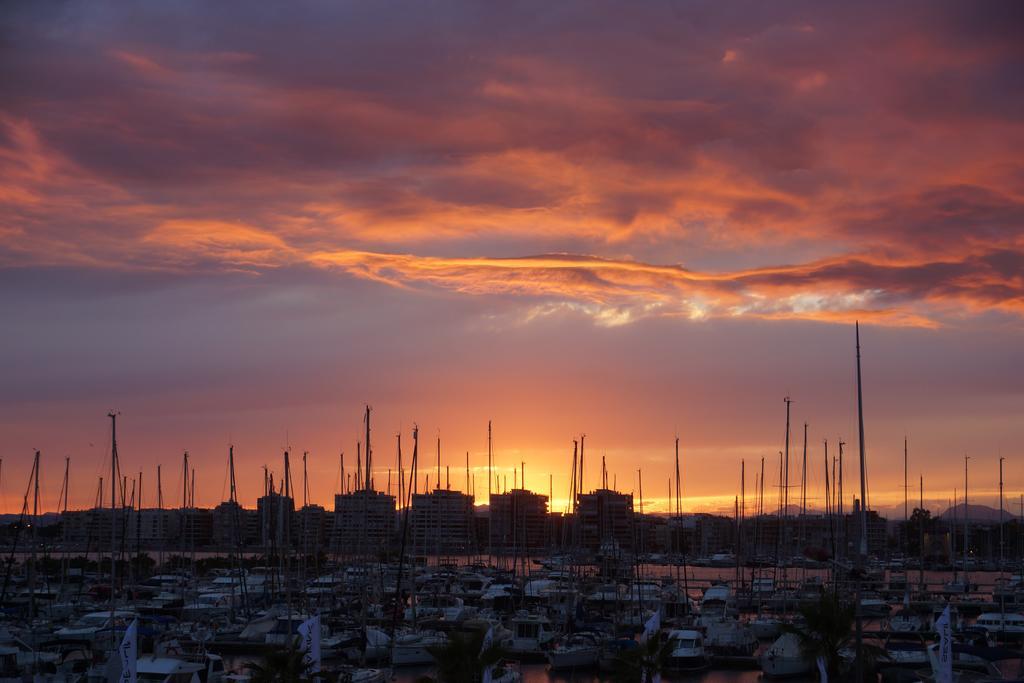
(920, 578)
(369, 452)
(785, 487)
(967, 580)
(160, 516)
(1001, 520)
(906, 489)
(113, 523)
(35, 525)
(862, 555)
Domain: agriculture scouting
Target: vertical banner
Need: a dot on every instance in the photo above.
(309, 631)
(129, 653)
(944, 663)
(652, 626)
(487, 645)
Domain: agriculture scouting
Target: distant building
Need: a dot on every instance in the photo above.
(155, 527)
(231, 526)
(91, 529)
(312, 528)
(364, 522)
(276, 518)
(877, 534)
(195, 528)
(605, 517)
(518, 521)
(442, 522)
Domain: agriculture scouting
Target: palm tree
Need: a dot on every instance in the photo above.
(827, 629)
(463, 658)
(641, 664)
(281, 665)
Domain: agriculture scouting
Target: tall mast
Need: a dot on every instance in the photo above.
(35, 524)
(839, 497)
(1001, 520)
(906, 489)
(161, 527)
(967, 580)
(920, 577)
(760, 508)
(185, 518)
(113, 523)
(401, 470)
(369, 452)
(64, 515)
(803, 501)
(743, 513)
(785, 490)
(862, 555)
(582, 439)
(490, 456)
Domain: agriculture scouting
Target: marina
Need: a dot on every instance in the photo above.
(420, 582)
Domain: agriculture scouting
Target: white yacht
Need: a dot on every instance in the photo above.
(785, 658)
(576, 651)
(173, 670)
(1006, 623)
(531, 633)
(412, 649)
(686, 650)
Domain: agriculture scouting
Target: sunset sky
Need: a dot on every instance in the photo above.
(239, 222)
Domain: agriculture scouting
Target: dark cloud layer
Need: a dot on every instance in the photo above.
(244, 193)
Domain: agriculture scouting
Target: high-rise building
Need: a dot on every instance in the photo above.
(605, 517)
(442, 521)
(364, 522)
(276, 515)
(518, 521)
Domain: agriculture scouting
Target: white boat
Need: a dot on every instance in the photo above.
(906, 621)
(439, 606)
(729, 637)
(207, 606)
(377, 644)
(717, 598)
(874, 606)
(996, 623)
(576, 651)
(686, 650)
(411, 649)
(363, 675)
(285, 629)
(765, 627)
(905, 650)
(26, 656)
(174, 670)
(96, 626)
(723, 560)
(785, 658)
(530, 635)
(506, 672)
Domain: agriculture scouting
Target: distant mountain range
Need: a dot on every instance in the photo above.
(976, 513)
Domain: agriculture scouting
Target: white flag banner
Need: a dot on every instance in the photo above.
(129, 653)
(652, 626)
(944, 663)
(309, 631)
(487, 645)
(822, 670)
